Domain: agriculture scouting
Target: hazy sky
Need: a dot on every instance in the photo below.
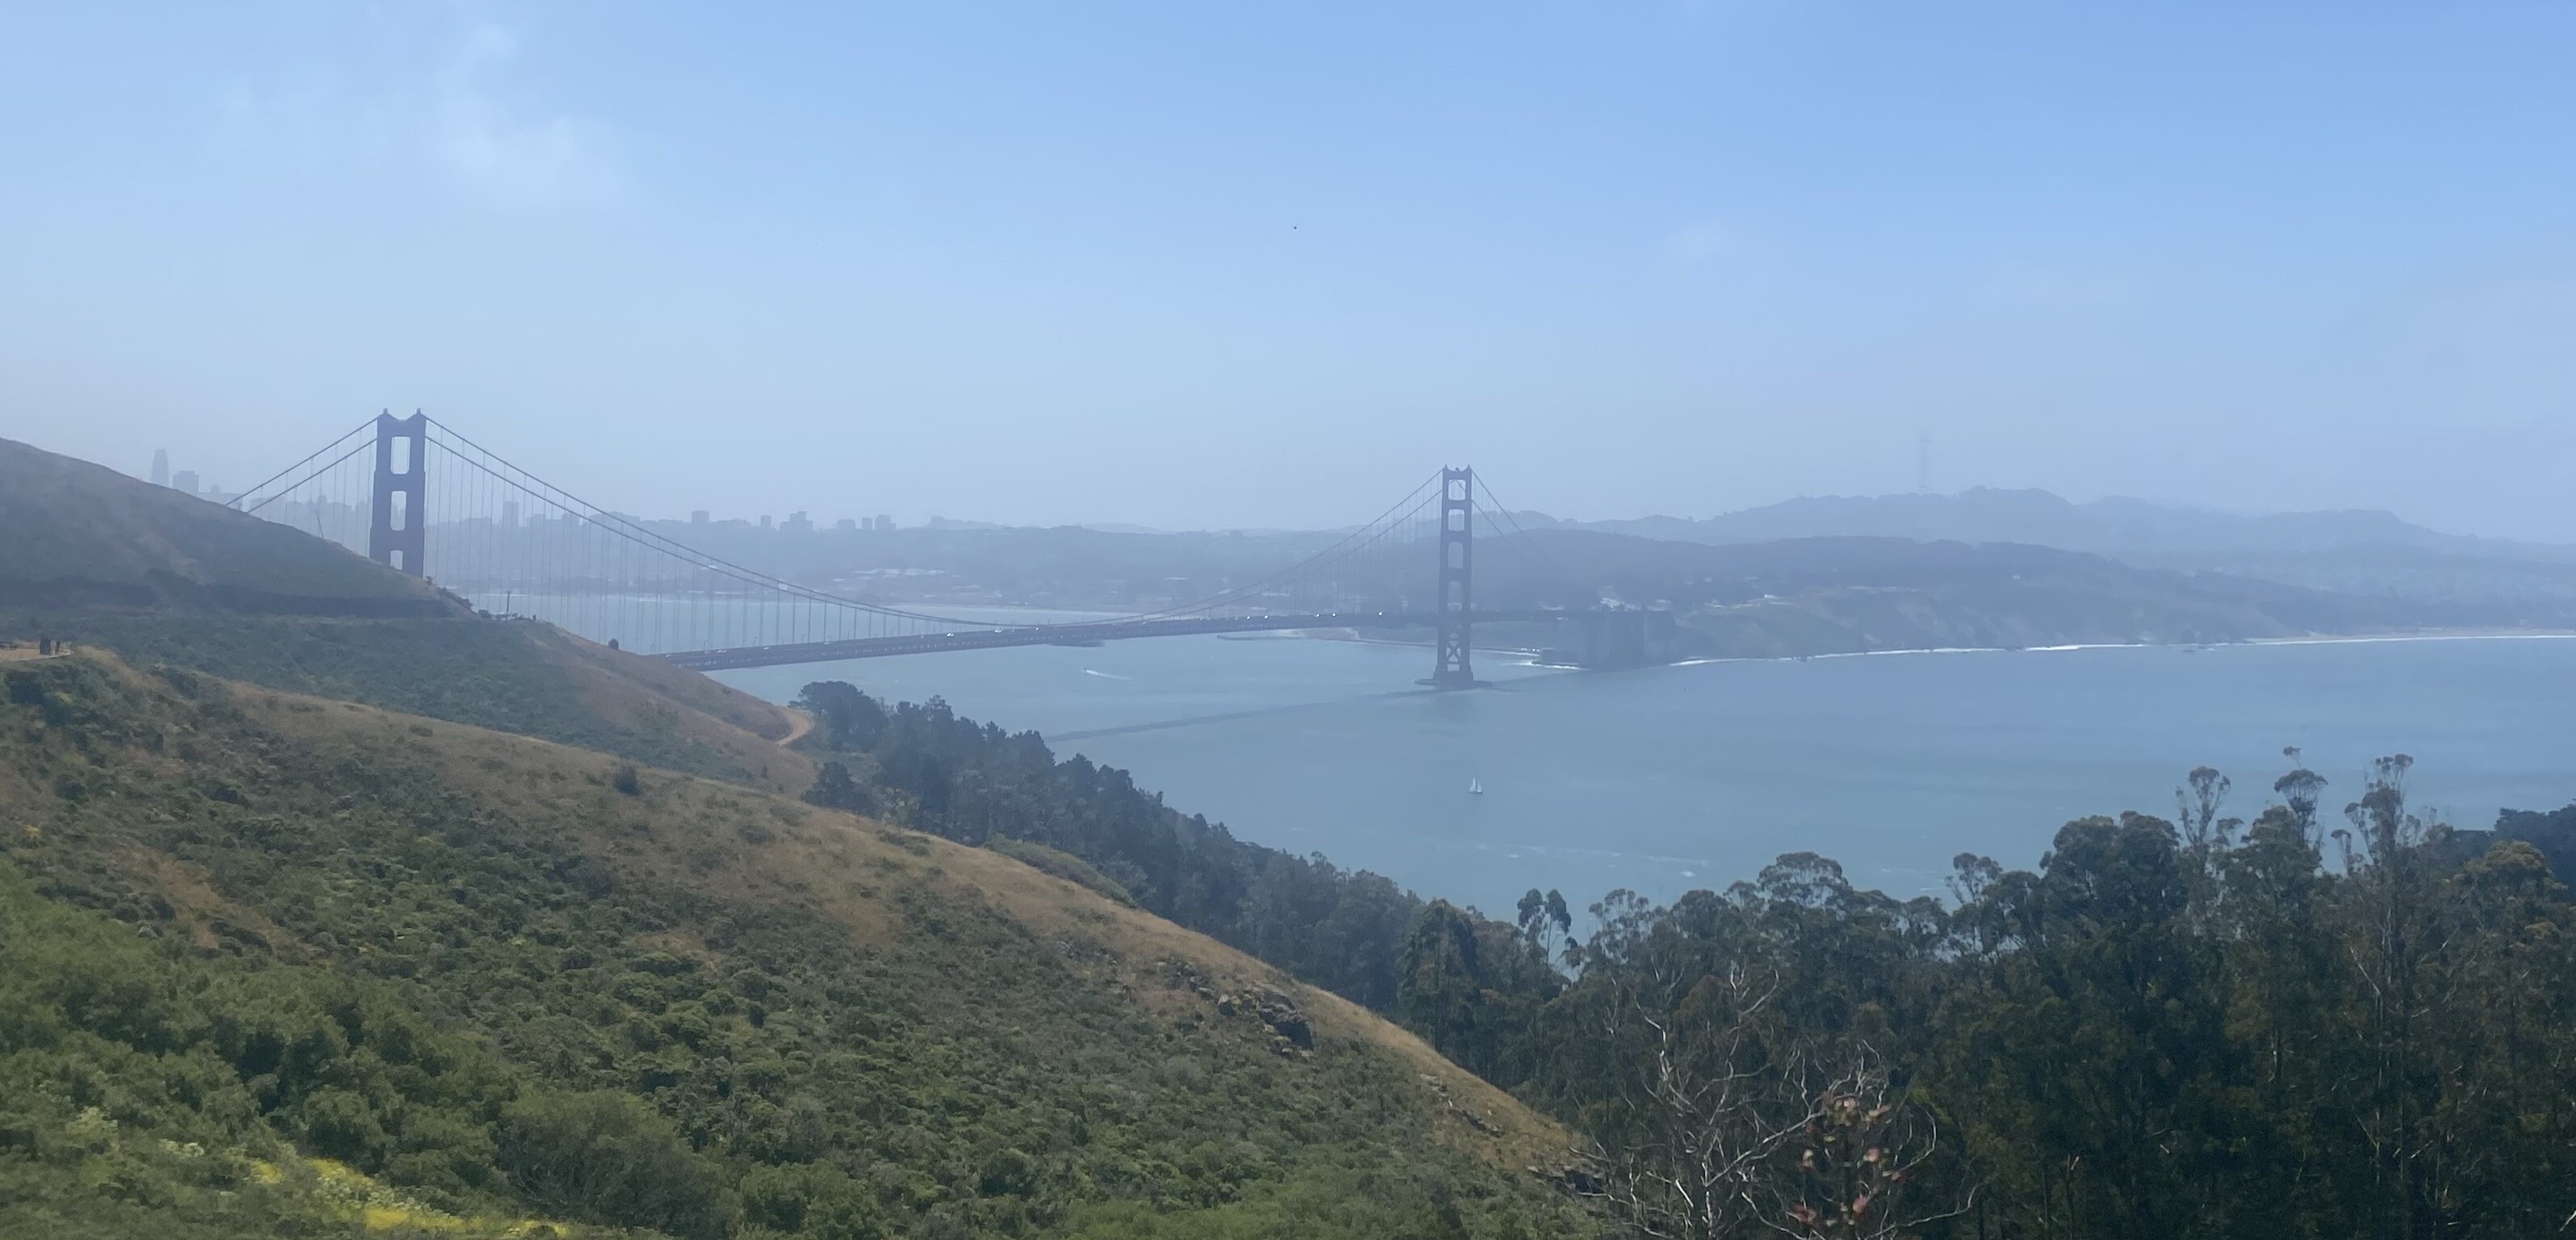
(1234, 264)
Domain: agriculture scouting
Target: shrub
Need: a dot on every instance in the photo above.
(608, 1158)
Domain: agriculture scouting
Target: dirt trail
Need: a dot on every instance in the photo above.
(798, 724)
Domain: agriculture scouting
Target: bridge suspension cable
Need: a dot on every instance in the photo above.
(491, 464)
(511, 543)
(267, 492)
(1393, 524)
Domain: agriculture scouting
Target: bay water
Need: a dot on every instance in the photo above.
(1661, 780)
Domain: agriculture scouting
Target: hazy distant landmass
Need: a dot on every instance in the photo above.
(2352, 549)
(1808, 576)
(1842, 594)
(1985, 568)
(1776, 597)
(2116, 525)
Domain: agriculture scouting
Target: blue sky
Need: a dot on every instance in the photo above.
(1208, 265)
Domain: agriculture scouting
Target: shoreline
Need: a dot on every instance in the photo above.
(2444, 635)
(1356, 637)
(2419, 635)
(1531, 657)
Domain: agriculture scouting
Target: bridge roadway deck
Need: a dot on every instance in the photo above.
(1061, 635)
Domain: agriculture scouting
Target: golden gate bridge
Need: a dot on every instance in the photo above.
(417, 495)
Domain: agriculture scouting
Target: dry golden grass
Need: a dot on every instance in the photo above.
(742, 844)
(766, 720)
(198, 908)
(638, 692)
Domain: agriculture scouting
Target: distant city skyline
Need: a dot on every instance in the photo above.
(1219, 267)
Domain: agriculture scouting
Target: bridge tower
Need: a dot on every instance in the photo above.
(1450, 669)
(397, 533)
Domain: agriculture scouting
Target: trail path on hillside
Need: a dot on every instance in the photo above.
(798, 724)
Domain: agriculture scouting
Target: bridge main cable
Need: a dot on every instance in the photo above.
(1373, 557)
(624, 527)
(1374, 531)
(238, 500)
(1329, 557)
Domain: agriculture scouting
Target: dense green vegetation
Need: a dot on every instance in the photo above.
(2201, 1026)
(924, 766)
(142, 1087)
(496, 980)
(2553, 833)
(2198, 1027)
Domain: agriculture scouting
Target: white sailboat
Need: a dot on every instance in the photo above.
(1475, 786)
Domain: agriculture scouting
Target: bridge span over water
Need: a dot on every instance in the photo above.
(420, 497)
(1074, 635)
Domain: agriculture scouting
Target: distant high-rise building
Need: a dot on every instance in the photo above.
(764, 521)
(698, 517)
(845, 525)
(184, 480)
(797, 524)
(884, 522)
(160, 467)
(509, 514)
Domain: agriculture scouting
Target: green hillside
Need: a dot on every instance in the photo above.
(99, 559)
(82, 533)
(499, 979)
(514, 676)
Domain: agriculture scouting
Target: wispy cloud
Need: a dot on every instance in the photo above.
(506, 154)
(453, 116)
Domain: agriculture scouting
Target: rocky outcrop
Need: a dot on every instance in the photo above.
(1290, 1032)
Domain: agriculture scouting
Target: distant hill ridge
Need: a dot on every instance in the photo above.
(2114, 526)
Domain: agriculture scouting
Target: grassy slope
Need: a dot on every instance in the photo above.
(164, 578)
(971, 1043)
(513, 676)
(69, 520)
